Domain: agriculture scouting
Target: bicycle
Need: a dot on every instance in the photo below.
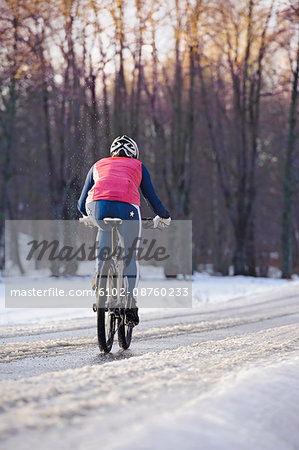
(110, 287)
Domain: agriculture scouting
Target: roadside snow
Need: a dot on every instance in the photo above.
(205, 289)
(256, 408)
(211, 289)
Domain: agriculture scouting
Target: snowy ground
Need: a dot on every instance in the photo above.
(205, 289)
(211, 289)
(249, 410)
(223, 375)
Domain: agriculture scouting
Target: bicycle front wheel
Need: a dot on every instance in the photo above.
(124, 331)
(124, 334)
(105, 317)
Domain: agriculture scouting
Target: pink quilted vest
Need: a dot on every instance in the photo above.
(116, 179)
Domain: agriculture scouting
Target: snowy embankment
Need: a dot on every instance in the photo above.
(211, 289)
(205, 289)
(257, 408)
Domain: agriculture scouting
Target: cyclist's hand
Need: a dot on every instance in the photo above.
(87, 221)
(160, 222)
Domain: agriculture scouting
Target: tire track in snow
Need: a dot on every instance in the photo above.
(261, 301)
(47, 348)
(66, 398)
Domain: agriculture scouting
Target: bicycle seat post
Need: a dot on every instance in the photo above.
(114, 222)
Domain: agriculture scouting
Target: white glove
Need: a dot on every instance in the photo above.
(87, 220)
(160, 222)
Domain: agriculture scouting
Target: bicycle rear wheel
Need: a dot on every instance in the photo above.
(105, 317)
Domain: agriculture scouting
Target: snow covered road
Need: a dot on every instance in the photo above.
(216, 377)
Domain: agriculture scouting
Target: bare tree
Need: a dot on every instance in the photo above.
(290, 176)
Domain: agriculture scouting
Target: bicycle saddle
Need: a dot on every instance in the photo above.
(114, 222)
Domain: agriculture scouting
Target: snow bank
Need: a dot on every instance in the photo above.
(258, 408)
(207, 288)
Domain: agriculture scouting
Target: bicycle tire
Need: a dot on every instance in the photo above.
(124, 334)
(105, 320)
(124, 331)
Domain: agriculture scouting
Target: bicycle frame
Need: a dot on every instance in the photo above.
(117, 241)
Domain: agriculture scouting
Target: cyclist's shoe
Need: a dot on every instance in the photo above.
(131, 312)
(132, 318)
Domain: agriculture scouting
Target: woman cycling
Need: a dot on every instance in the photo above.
(111, 190)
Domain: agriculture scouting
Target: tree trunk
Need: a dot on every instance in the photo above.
(120, 91)
(239, 259)
(94, 117)
(9, 143)
(289, 182)
(250, 250)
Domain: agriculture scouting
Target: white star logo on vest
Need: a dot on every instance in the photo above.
(132, 213)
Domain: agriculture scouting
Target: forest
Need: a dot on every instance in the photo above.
(207, 88)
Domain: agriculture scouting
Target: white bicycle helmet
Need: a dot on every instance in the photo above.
(125, 143)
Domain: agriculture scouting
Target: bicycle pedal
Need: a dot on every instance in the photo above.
(129, 323)
(94, 307)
